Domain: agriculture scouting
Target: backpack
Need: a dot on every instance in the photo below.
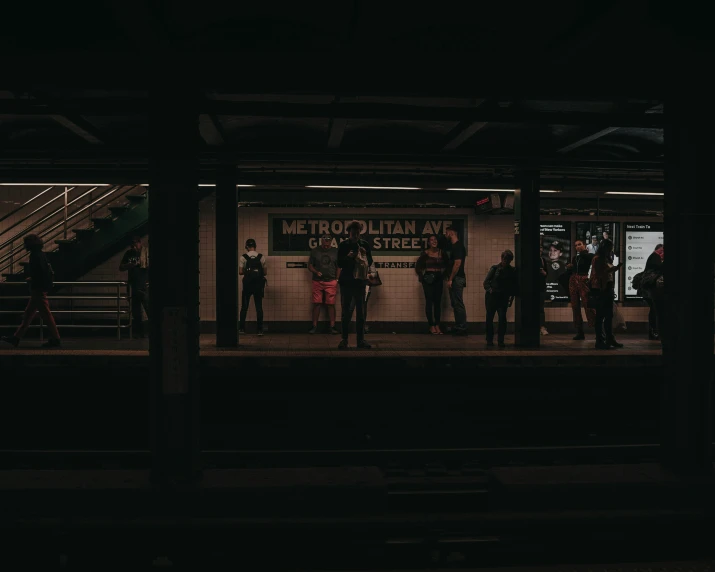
(47, 279)
(637, 281)
(253, 271)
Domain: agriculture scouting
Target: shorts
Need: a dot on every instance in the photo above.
(330, 288)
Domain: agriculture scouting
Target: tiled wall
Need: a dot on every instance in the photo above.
(399, 299)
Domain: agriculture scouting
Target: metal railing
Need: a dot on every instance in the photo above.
(122, 309)
(59, 221)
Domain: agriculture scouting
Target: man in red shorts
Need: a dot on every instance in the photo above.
(323, 265)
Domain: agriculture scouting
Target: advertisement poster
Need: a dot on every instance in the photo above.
(641, 239)
(393, 235)
(592, 233)
(556, 251)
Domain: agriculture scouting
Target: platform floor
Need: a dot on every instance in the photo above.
(393, 345)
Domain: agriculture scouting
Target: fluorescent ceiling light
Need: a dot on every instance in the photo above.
(54, 184)
(361, 187)
(204, 185)
(482, 190)
(632, 193)
(545, 191)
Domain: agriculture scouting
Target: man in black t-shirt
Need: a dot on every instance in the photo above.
(136, 262)
(456, 282)
(352, 289)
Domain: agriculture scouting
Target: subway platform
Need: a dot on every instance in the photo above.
(556, 349)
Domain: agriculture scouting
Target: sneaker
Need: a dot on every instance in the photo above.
(51, 343)
(579, 336)
(459, 331)
(363, 345)
(490, 344)
(343, 345)
(334, 330)
(502, 345)
(12, 340)
(366, 329)
(614, 344)
(313, 330)
(260, 332)
(544, 331)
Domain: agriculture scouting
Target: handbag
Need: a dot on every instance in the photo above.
(429, 277)
(373, 279)
(361, 264)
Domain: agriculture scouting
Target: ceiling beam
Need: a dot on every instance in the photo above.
(346, 111)
(211, 130)
(79, 126)
(336, 132)
(461, 133)
(587, 139)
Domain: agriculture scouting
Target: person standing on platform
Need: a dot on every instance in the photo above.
(654, 264)
(136, 263)
(354, 260)
(593, 247)
(323, 265)
(543, 265)
(430, 268)
(457, 282)
(40, 277)
(500, 287)
(578, 288)
(602, 283)
(253, 267)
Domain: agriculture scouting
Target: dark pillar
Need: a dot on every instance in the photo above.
(689, 259)
(174, 280)
(226, 257)
(527, 244)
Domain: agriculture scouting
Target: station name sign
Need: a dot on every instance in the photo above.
(386, 235)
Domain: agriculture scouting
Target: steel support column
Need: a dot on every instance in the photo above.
(174, 281)
(527, 245)
(689, 239)
(226, 257)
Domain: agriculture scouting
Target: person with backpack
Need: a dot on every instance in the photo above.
(252, 266)
(41, 279)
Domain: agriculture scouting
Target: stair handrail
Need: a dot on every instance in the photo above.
(43, 219)
(23, 205)
(37, 210)
(44, 233)
(61, 223)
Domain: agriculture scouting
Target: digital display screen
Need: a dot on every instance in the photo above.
(556, 251)
(593, 232)
(641, 238)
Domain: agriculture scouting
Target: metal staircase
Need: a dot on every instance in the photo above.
(81, 227)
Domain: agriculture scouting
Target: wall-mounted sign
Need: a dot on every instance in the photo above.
(396, 235)
(641, 238)
(592, 233)
(394, 264)
(556, 251)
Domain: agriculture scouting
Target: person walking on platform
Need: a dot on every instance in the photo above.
(40, 277)
(323, 265)
(578, 288)
(354, 260)
(253, 267)
(136, 263)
